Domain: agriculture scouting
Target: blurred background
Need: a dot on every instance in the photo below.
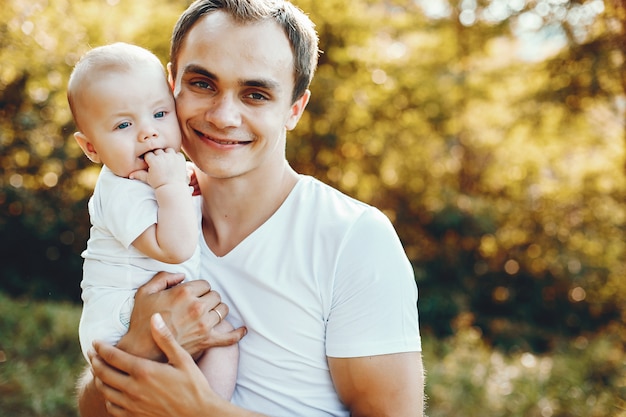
(491, 132)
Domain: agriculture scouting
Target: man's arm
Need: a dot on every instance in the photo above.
(186, 307)
(90, 401)
(381, 386)
(132, 386)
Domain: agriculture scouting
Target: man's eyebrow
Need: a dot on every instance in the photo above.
(265, 83)
(197, 69)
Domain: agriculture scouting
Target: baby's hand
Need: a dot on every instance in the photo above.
(165, 166)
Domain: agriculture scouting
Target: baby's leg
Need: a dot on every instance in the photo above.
(219, 365)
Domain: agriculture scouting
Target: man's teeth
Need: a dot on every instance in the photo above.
(226, 142)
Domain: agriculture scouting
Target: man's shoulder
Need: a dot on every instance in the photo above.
(323, 201)
(321, 194)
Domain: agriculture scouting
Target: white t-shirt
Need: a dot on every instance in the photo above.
(120, 210)
(326, 275)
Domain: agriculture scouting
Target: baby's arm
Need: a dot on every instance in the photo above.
(219, 365)
(173, 239)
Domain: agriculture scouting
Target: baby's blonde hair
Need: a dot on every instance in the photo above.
(116, 57)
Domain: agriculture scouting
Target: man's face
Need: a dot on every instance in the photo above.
(233, 91)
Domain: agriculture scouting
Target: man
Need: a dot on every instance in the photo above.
(319, 281)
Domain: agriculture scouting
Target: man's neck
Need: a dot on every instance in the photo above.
(234, 208)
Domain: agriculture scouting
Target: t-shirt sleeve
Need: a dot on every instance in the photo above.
(374, 303)
(129, 207)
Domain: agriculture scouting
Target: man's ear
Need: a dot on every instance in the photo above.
(87, 147)
(297, 109)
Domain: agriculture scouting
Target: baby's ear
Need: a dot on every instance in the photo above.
(87, 147)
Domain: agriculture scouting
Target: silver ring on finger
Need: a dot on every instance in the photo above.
(219, 314)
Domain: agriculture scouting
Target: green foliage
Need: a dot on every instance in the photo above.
(40, 358)
(466, 377)
(503, 176)
(46, 180)
(40, 361)
(505, 194)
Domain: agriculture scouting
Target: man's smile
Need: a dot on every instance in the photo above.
(222, 141)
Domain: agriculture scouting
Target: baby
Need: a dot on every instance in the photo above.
(143, 216)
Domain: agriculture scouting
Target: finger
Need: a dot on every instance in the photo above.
(220, 315)
(113, 366)
(112, 398)
(220, 309)
(102, 372)
(141, 175)
(193, 179)
(195, 188)
(115, 410)
(117, 375)
(223, 309)
(115, 400)
(148, 157)
(161, 281)
(200, 288)
(166, 341)
(229, 338)
(205, 303)
(170, 150)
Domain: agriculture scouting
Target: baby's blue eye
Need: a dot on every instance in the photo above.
(123, 125)
(159, 114)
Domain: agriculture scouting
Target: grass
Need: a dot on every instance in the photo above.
(40, 360)
(584, 377)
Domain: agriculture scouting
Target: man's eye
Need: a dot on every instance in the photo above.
(257, 96)
(123, 125)
(200, 84)
(159, 114)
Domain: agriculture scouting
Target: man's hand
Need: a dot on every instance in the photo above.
(187, 310)
(140, 387)
(121, 376)
(193, 179)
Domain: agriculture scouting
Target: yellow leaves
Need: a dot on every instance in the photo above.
(577, 294)
(407, 113)
(511, 267)
(389, 176)
(50, 179)
(88, 176)
(21, 158)
(488, 246)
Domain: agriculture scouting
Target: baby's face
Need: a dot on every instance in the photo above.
(126, 114)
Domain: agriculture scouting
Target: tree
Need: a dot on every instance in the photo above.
(45, 180)
(502, 174)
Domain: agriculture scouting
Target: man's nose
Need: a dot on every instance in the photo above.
(224, 112)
